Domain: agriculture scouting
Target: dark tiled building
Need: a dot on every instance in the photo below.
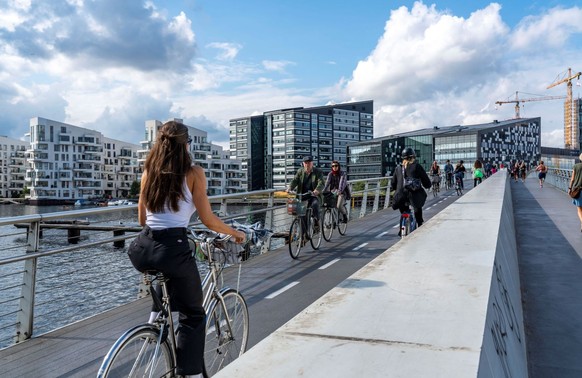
(495, 142)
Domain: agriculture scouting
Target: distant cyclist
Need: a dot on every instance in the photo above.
(309, 178)
(404, 198)
(435, 174)
(459, 173)
(449, 173)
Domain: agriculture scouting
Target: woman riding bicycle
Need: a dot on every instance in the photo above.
(337, 183)
(459, 173)
(403, 197)
(435, 174)
(171, 190)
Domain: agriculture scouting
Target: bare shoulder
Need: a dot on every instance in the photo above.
(196, 171)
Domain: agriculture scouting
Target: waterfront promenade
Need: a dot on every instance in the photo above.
(549, 248)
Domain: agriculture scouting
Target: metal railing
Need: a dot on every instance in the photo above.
(560, 178)
(57, 268)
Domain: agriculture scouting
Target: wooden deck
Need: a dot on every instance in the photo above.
(74, 355)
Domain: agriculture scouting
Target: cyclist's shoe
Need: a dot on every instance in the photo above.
(344, 218)
(316, 227)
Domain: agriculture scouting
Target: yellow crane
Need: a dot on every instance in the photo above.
(518, 100)
(571, 137)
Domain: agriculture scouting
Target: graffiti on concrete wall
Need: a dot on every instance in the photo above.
(505, 326)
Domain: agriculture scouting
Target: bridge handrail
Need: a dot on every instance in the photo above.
(29, 255)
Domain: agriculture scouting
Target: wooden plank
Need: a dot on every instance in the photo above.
(75, 350)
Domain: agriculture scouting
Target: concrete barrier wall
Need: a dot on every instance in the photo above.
(444, 302)
(504, 350)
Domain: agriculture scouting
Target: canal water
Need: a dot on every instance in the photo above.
(73, 285)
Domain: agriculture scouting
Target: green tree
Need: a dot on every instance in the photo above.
(134, 191)
(25, 192)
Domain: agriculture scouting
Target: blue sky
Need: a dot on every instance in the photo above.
(109, 65)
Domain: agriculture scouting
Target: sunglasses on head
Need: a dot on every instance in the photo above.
(189, 139)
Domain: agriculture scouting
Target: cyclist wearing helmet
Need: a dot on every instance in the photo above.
(404, 198)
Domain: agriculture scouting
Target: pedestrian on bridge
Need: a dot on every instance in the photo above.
(576, 182)
(542, 169)
(171, 190)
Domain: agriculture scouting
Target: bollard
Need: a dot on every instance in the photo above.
(119, 243)
(73, 235)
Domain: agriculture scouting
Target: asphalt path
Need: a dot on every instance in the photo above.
(277, 287)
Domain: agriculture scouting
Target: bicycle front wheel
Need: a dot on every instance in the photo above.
(227, 331)
(315, 236)
(327, 224)
(137, 354)
(295, 238)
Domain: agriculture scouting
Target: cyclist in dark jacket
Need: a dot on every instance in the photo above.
(309, 178)
(460, 172)
(404, 198)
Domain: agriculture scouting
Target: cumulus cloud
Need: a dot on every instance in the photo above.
(433, 68)
(549, 30)
(110, 65)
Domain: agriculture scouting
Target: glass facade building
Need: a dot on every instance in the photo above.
(274, 144)
(495, 142)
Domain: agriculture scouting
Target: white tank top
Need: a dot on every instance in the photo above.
(170, 219)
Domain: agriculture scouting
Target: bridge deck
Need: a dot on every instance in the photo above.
(549, 244)
(550, 251)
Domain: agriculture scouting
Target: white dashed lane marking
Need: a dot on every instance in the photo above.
(360, 246)
(329, 264)
(282, 290)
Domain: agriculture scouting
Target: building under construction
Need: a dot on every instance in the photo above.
(572, 109)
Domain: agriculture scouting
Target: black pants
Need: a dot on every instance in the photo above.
(167, 251)
(313, 202)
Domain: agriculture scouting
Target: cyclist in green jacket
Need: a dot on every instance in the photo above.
(309, 178)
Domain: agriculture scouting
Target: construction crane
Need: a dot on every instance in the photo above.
(571, 137)
(518, 100)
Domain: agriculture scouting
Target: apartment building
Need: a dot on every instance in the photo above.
(67, 162)
(225, 174)
(272, 146)
(12, 166)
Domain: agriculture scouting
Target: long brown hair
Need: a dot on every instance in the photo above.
(167, 165)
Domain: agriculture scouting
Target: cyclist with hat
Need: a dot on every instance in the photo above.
(309, 178)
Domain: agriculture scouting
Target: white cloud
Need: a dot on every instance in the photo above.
(549, 30)
(276, 65)
(431, 68)
(229, 50)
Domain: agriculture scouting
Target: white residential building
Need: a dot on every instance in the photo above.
(12, 166)
(225, 175)
(67, 162)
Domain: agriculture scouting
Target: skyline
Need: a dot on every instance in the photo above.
(111, 65)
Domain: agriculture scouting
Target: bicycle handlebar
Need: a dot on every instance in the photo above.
(254, 232)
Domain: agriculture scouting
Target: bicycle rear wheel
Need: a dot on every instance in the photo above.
(295, 238)
(224, 343)
(327, 224)
(137, 354)
(315, 237)
(404, 225)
